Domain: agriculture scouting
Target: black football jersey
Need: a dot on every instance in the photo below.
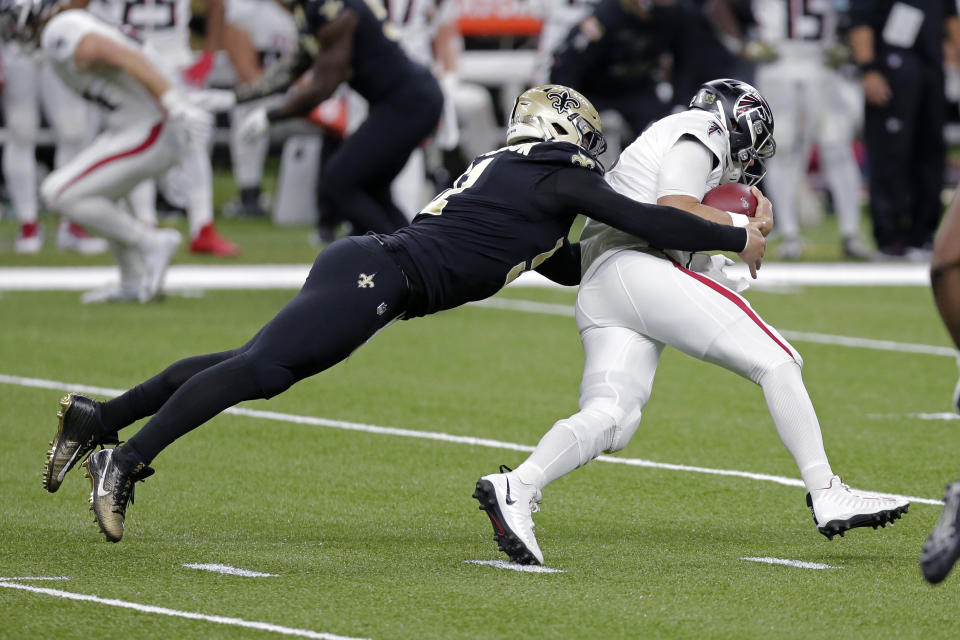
(379, 65)
(511, 211)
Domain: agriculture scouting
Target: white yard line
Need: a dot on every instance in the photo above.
(792, 563)
(230, 571)
(190, 615)
(437, 436)
(512, 566)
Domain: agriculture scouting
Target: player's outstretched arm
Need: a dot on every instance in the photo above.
(580, 191)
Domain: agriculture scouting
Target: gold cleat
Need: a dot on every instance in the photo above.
(78, 427)
(111, 488)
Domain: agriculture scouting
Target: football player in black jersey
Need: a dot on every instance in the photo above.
(508, 213)
(351, 41)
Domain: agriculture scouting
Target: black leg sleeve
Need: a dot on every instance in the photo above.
(354, 289)
(146, 398)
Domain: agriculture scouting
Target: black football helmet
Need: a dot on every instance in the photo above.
(748, 120)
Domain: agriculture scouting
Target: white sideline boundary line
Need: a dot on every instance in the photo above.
(436, 436)
(190, 615)
(799, 564)
(291, 276)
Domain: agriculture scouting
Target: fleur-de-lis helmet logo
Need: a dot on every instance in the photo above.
(563, 101)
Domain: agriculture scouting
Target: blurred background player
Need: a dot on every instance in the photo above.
(257, 34)
(635, 299)
(148, 126)
(943, 545)
(405, 101)
(815, 105)
(615, 56)
(28, 83)
(163, 26)
(898, 49)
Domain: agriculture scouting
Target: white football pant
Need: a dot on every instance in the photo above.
(28, 84)
(812, 105)
(632, 304)
(87, 188)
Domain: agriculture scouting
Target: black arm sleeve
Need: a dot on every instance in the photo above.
(580, 191)
(862, 13)
(563, 267)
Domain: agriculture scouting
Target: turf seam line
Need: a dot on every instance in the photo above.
(438, 436)
(164, 611)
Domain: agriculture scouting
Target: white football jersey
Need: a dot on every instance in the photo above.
(122, 98)
(272, 29)
(163, 26)
(636, 175)
(796, 28)
(417, 22)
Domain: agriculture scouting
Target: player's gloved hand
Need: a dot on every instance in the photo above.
(197, 123)
(836, 56)
(212, 100)
(764, 214)
(196, 74)
(752, 254)
(254, 125)
(760, 51)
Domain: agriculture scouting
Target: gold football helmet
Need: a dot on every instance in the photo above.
(556, 112)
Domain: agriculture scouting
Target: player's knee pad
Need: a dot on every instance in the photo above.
(22, 126)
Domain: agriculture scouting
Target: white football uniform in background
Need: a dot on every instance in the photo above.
(163, 29)
(634, 300)
(273, 33)
(559, 17)
(137, 143)
(29, 84)
(812, 104)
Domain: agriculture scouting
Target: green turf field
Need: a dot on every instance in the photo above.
(371, 535)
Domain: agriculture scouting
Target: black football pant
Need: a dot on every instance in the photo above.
(355, 179)
(906, 154)
(354, 289)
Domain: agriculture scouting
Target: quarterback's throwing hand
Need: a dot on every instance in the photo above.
(756, 245)
(254, 125)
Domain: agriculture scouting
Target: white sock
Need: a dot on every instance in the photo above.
(20, 176)
(796, 423)
(557, 454)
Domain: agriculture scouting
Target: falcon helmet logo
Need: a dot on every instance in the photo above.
(563, 101)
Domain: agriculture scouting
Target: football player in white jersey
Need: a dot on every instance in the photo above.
(635, 299)
(148, 126)
(28, 82)
(258, 33)
(815, 104)
(163, 26)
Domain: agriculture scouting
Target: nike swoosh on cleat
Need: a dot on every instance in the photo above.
(66, 467)
(100, 492)
(509, 501)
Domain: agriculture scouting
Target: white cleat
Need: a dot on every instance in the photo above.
(157, 255)
(837, 508)
(29, 239)
(509, 503)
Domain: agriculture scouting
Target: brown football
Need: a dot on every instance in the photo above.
(733, 197)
